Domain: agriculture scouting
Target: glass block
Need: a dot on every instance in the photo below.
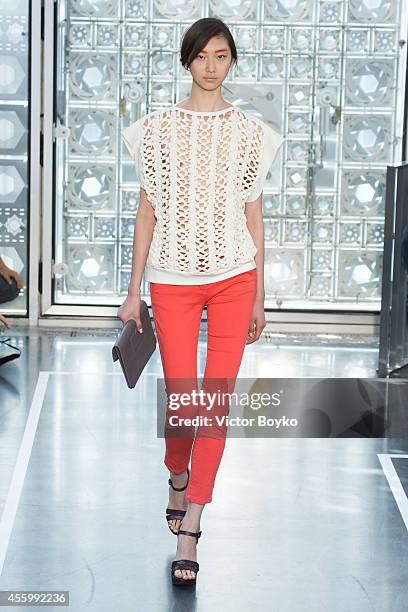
(301, 40)
(272, 38)
(369, 83)
(299, 95)
(94, 8)
(237, 9)
(135, 9)
(107, 35)
(295, 206)
(176, 9)
(331, 12)
(375, 234)
(79, 34)
(357, 40)
(246, 37)
(359, 274)
(296, 177)
(385, 41)
(366, 137)
(363, 193)
(329, 41)
(91, 187)
(127, 228)
(271, 205)
(162, 64)
(323, 232)
(289, 10)
(322, 260)
(104, 228)
(284, 272)
(324, 206)
(91, 268)
(329, 68)
(271, 231)
(93, 77)
(321, 287)
(77, 227)
(272, 67)
(295, 232)
(371, 10)
(301, 67)
(350, 233)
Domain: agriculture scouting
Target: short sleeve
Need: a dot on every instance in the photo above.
(132, 137)
(272, 142)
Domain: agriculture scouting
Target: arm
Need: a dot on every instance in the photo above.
(142, 238)
(255, 224)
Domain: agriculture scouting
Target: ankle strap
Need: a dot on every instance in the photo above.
(190, 533)
(180, 488)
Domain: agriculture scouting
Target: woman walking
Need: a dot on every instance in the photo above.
(199, 239)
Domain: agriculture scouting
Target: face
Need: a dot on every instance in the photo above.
(210, 66)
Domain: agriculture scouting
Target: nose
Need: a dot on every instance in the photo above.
(210, 65)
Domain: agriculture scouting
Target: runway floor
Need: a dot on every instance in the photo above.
(296, 525)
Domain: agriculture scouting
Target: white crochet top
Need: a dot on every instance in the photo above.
(198, 170)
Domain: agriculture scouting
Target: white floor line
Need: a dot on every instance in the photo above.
(395, 483)
(20, 469)
(23, 458)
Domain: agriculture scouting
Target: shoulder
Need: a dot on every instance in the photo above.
(262, 127)
(134, 133)
(265, 137)
(137, 126)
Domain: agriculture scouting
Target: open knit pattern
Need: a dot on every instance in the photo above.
(198, 170)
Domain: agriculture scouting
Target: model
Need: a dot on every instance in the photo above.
(199, 240)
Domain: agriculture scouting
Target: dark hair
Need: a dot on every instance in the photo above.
(197, 36)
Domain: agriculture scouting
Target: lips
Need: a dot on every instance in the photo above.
(210, 78)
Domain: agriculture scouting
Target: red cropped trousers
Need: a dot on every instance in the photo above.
(177, 311)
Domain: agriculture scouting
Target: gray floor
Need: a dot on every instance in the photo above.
(295, 524)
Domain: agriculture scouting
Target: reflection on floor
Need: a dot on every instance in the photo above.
(295, 524)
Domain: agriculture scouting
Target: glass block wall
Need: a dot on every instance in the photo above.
(14, 145)
(324, 73)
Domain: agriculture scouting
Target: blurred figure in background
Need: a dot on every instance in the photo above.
(404, 249)
(10, 284)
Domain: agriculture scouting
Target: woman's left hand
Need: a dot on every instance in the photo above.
(257, 323)
(8, 274)
(4, 320)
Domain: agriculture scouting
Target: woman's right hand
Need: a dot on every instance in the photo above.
(130, 309)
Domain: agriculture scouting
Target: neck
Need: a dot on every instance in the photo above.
(201, 100)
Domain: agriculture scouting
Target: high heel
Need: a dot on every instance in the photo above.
(185, 564)
(171, 513)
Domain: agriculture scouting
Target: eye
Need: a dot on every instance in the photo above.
(222, 56)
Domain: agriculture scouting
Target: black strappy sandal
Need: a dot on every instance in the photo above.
(185, 564)
(171, 513)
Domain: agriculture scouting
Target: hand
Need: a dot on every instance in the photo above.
(258, 321)
(130, 309)
(4, 320)
(8, 274)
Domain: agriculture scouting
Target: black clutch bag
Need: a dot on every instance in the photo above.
(134, 349)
